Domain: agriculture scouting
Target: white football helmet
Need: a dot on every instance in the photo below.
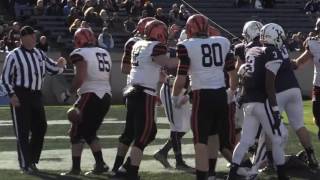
(272, 34)
(251, 30)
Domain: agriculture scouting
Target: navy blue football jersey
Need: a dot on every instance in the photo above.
(254, 71)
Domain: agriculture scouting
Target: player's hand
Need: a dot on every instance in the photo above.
(61, 62)
(14, 101)
(65, 95)
(230, 95)
(277, 119)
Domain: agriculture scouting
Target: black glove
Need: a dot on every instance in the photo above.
(277, 119)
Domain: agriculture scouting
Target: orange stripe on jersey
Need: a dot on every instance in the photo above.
(159, 49)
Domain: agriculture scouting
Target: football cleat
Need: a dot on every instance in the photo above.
(163, 159)
(312, 161)
(98, 169)
(184, 167)
(72, 172)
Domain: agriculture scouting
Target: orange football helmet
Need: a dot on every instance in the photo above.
(156, 30)
(141, 25)
(83, 37)
(196, 24)
(212, 31)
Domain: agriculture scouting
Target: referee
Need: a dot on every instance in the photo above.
(23, 73)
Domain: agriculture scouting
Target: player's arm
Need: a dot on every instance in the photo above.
(239, 56)
(303, 58)
(272, 68)
(80, 72)
(159, 56)
(182, 71)
(231, 70)
(126, 58)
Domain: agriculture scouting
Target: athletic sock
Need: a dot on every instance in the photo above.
(117, 163)
(202, 175)
(98, 157)
(281, 171)
(76, 162)
(166, 148)
(133, 171)
(176, 145)
(309, 151)
(212, 167)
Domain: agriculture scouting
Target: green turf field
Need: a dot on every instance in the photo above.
(56, 154)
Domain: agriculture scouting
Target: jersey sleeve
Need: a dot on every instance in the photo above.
(159, 49)
(273, 60)
(230, 63)
(184, 62)
(127, 52)
(76, 56)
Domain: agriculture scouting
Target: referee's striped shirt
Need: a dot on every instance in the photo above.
(27, 68)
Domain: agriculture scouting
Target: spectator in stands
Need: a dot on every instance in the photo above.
(268, 3)
(295, 43)
(74, 14)
(43, 44)
(54, 9)
(19, 7)
(148, 6)
(79, 5)
(74, 26)
(174, 14)
(127, 4)
(161, 16)
(105, 18)
(129, 25)
(67, 7)
(136, 9)
(85, 24)
(92, 17)
(183, 16)
(2, 46)
(110, 6)
(87, 5)
(13, 36)
(312, 6)
(39, 9)
(105, 39)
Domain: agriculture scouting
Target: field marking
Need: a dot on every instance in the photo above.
(160, 120)
(60, 159)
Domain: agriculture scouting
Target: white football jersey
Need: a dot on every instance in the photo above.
(98, 70)
(314, 47)
(144, 71)
(132, 39)
(207, 60)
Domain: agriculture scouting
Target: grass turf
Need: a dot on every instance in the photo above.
(58, 112)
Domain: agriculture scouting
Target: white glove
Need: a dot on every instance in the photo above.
(230, 95)
(65, 95)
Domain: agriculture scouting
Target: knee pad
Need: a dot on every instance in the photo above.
(124, 139)
(142, 144)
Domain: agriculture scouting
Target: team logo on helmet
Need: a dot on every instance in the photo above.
(251, 30)
(84, 37)
(197, 25)
(272, 34)
(156, 30)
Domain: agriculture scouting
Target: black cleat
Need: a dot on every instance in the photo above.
(312, 161)
(33, 167)
(72, 172)
(184, 167)
(163, 159)
(98, 169)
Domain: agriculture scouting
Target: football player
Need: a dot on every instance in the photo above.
(205, 58)
(147, 58)
(91, 82)
(126, 137)
(312, 53)
(258, 78)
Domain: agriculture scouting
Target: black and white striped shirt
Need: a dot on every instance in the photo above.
(27, 68)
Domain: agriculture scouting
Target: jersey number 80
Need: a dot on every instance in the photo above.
(211, 55)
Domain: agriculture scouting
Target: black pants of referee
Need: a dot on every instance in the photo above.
(29, 120)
